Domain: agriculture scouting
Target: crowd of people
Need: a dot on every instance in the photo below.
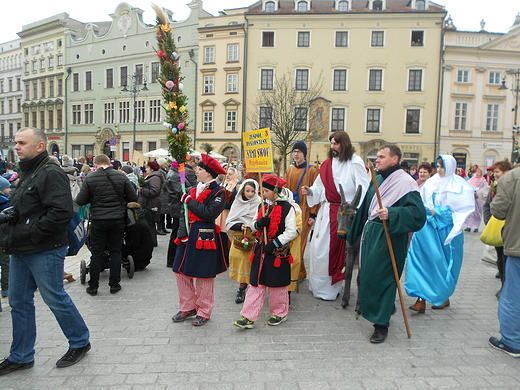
(258, 227)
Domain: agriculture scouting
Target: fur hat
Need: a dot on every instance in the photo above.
(67, 161)
(4, 184)
(300, 145)
(211, 165)
(154, 165)
(271, 182)
(161, 161)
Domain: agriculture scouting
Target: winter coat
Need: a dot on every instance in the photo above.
(164, 192)
(150, 192)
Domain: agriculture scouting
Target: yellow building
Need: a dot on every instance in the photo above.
(478, 113)
(379, 62)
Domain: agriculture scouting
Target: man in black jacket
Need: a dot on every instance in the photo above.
(108, 191)
(37, 241)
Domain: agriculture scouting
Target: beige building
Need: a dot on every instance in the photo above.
(477, 111)
(379, 61)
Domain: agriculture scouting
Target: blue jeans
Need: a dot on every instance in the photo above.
(509, 304)
(106, 234)
(43, 270)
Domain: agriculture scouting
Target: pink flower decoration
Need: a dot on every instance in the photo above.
(180, 126)
(169, 84)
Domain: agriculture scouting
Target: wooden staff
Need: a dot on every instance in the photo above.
(263, 205)
(390, 249)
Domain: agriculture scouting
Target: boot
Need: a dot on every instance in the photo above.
(419, 306)
(68, 277)
(445, 304)
(160, 230)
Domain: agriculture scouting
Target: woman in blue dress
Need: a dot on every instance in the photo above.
(436, 251)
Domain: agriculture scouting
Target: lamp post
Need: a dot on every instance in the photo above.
(515, 76)
(136, 80)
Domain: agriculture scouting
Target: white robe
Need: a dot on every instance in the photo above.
(349, 174)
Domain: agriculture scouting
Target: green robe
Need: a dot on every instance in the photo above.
(377, 286)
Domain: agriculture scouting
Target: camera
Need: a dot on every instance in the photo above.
(9, 215)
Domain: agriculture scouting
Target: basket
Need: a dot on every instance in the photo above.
(245, 241)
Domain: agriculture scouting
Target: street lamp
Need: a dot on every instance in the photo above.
(515, 76)
(136, 80)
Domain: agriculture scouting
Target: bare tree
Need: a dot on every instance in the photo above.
(285, 110)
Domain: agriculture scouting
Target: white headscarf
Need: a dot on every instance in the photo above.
(451, 191)
(244, 211)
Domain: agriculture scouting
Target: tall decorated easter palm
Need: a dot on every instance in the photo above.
(176, 114)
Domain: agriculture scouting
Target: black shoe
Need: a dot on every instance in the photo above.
(92, 291)
(467, 230)
(184, 315)
(166, 231)
(379, 335)
(6, 366)
(160, 232)
(72, 356)
(115, 289)
(199, 321)
(241, 296)
(475, 231)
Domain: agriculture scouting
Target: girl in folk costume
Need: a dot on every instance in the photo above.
(230, 187)
(239, 223)
(271, 260)
(477, 182)
(200, 256)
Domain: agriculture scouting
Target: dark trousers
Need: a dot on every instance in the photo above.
(172, 246)
(501, 263)
(106, 233)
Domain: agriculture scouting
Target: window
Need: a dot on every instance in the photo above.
(207, 121)
(60, 87)
(27, 92)
(340, 80)
(266, 79)
(373, 119)
(420, 5)
(302, 79)
(126, 151)
(42, 89)
(232, 83)
(461, 113)
(492, 117)
(268, 39)
(375, 80)
(59, 118)
(124, 112)
(42, 120)
(415, 80)
(139, 74)
(88, 81)
(51, 88)
(18, 84)
(343, 6)
(89, 113)
(302, 6)
(18, 105)
(341, 38)
(35, 90)
(109, 113)
(377, 6)
(232, 53)
(338, 119)
(34, 67)
(75, 82)
(304, 38)
(152, 145)
(155, 71)
(123, 73)
(34, 119)
(463, 76)
(209, 84)
(417, 38)
(270, 6)
(378, 38)
(51, 119)
(10, 105)
(412, 121)
(155, 110)
(60, 60)
(494, 77)
(109, 78)
(138, 146)
(51, 62)
(26, 69)
(42, 64)
(231, 121)
(266, 117)
(300, 119)
(209, 55)
(10, 84)
(76, 114)
(139, 111)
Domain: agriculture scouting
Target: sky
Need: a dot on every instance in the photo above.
(499, 15)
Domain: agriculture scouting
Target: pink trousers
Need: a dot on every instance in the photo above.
(196, 294)
(278, 302)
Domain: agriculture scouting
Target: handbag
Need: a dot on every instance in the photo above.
(77, 235)
(492, 234)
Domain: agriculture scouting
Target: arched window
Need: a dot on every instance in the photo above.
(302, 6)
(343, 6)
(270, 6)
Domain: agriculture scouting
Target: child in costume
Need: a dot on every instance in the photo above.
(271, 259)
(239, 223)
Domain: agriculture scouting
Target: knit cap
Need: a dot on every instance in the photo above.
(4, 184)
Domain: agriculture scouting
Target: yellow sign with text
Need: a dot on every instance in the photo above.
(257, 149)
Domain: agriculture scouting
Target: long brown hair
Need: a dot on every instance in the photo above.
(346, 150)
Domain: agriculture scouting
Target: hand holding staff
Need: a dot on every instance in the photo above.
(384, 217)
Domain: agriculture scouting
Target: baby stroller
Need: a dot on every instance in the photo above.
(127, 263)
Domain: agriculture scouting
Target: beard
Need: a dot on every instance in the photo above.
(334, 153)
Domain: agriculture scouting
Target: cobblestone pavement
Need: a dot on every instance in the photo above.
(135, 345)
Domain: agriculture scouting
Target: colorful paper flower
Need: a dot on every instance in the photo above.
(180, 86)
(169, 84)
(167, 125)
(180, 126)
(174, 130)
(182, 108)
(175, 55)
